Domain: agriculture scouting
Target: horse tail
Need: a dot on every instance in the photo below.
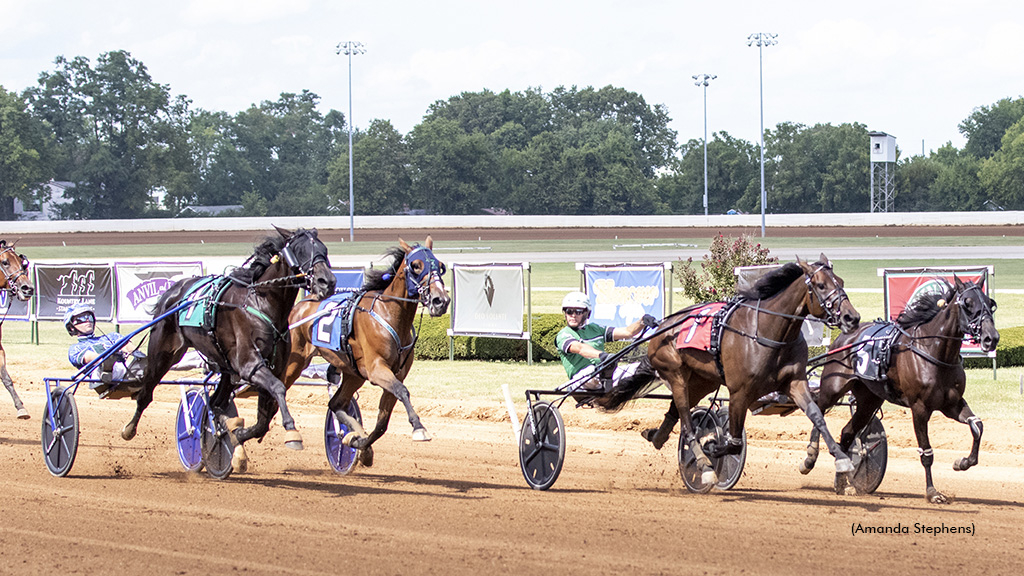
(628, 387)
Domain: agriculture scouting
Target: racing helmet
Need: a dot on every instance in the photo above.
(576, 300)
(75, 311)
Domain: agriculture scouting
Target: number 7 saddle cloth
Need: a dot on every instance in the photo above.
(695, 331)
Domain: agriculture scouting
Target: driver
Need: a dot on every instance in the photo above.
(581, 346)
(80, 321)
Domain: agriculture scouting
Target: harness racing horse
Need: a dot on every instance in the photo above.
(17, 284)
(761, 351)
(245, 334)
(381, 340)
(925, 371)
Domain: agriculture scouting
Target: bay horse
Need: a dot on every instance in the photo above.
(761, 351)
(925, 372)
(381, 342)
(17, 284)
(246, 335)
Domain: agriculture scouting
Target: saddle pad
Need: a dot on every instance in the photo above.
(203, 295)
(335, 325)
(695, 330)
(873, 351)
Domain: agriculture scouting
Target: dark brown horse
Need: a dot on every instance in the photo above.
(17, 284)
(925, 371)
(382, 339)
(761, 351)
(246, 334)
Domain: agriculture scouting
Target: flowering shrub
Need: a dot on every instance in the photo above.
(715, 280)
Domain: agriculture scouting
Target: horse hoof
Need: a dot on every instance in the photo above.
(293, 439)
(127, 433)
(936, 497)
(959, 466)
(23, 414)
(239, 460)
(709, 477)
(235, 423)
(349, 439)
(806, 466)
(420, 435)
(366, 457)
(844, 466)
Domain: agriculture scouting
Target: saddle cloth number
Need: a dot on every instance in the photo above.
(695, 331)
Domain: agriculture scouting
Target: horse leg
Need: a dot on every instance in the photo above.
(962, 413)
(801, 394)
(681, 400)
(827, 396)
(385, 408)
(866, 406)
(387, 380)
(9, 384)
(924, 448)
(266, 381)
(658, 436)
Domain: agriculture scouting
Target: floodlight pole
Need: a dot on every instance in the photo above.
(349, 48)
(702, 80)
(762, 39)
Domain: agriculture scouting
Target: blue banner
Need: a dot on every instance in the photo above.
(620, 295)
(349, 279)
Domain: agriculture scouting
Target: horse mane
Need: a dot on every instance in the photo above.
(772, 283)
(267, 248)
(924, 307)
(380, 279)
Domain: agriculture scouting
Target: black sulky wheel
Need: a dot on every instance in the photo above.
(870, 454)
(217, 448)
(729, 467)
(542, 446)
(341, 458)
(60, 440)
(710, 428)
(189, 429)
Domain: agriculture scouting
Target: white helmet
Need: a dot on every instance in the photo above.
(576, 300)
(72, 312)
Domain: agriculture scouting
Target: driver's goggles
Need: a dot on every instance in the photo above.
(83, 317)
(575, 311)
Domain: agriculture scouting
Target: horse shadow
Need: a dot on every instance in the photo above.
(875, 502)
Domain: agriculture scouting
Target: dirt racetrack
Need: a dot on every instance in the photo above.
(459, 505)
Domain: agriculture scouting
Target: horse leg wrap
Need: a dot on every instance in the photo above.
(420, 435)
(976, 426)
(927, 457)
(293, 439)
(232, 424)
(239, 460)
(812, 458)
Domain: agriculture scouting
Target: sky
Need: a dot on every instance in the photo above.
(912, 69)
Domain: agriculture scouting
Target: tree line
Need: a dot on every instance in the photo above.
(118, 136)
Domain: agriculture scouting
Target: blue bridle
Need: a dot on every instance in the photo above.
(418, 285)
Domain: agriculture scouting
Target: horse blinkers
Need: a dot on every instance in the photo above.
(322, 287)
(419, 284)
(831, 303)
(975, 312)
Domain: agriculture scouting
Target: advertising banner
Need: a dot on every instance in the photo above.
(140, 284)
(60, 286)
(348, 279)
(902, 285)
(11, 308)
(622, 293)
(487, 299)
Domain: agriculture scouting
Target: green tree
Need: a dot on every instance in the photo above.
(452, 171)
(1002, 175)
(381, 180)
(26, 159)
(985, 127)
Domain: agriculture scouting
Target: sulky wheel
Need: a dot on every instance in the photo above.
(542, 446)
(705, 428)
(729, 467)
(189, 429)
(217, 447)
(341, 457)
(60, 440)
(870, 454)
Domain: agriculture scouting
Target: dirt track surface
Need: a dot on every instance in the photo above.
(459, 505)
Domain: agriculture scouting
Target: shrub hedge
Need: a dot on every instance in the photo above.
(433, 343)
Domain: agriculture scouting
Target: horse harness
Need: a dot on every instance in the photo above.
(12, 277)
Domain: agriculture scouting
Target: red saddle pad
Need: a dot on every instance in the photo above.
(695, 331)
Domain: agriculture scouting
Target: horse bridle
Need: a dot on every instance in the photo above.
(832, 302)
(13, 277)
(973, 323)
(418, 286)
(304, 269)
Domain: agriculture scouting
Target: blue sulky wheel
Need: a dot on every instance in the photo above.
(60, 441)
(217, 447)
(189, 429)
(710, 428)
(870, 455)
(341, 458)
(542, 446)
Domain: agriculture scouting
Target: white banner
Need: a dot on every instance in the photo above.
(487, 299)
(139, 284)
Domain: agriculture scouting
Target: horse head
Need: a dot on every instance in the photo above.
(424, 276)
(15, 272)
(306, 255)
(976, 317)
(829, 301)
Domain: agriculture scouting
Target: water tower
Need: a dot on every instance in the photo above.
(883, 171)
